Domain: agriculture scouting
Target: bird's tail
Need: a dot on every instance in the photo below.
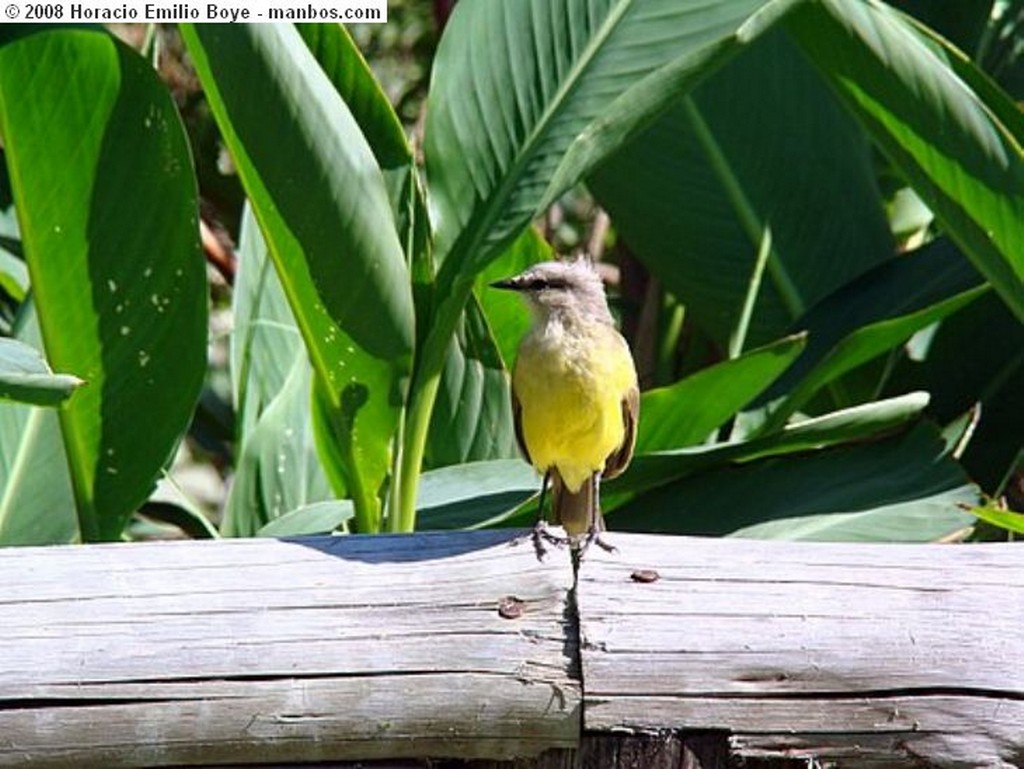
(576, 512)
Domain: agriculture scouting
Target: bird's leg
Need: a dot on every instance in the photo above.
(540, 532)
(593, 535)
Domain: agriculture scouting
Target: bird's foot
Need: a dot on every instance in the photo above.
(592, 537)
(540, 534)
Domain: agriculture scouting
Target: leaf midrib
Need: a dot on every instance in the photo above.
(535, 136)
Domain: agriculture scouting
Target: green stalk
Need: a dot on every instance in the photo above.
(739, 335)
(421, 407)
(423, 394)
(744, 209)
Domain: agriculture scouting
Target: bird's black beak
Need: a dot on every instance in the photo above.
(509, 284)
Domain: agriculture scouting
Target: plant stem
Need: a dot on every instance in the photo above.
(744, 208)
(739, 335)
(423, 393)
(421, 407)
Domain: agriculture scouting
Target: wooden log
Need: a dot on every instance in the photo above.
(696, 654)
(880, 655)
(261, 651)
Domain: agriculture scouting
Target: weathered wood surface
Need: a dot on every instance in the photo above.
(883, 655)
(741, 653)
(274, 651)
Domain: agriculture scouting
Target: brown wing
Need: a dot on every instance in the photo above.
(618, 460)
(517, 422)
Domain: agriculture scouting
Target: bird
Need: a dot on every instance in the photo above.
(575, 399)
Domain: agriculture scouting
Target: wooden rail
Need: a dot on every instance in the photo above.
(703, 653)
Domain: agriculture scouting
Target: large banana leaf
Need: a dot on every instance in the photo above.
(901, 488)
(106, 200)
(300, 154)
(761, 144)
(686, 412)
(958, 145)
(265, 340)
(277, 468)
(527, 97)
(903, 285)
(472, 419)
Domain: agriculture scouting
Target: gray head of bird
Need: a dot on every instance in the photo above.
(567, 289)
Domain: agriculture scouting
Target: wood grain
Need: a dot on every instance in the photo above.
(882, 655)
(694, 654)
(264, 650)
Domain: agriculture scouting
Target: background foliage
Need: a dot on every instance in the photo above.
(808, 214)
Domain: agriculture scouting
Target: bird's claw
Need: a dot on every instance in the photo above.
(538, 535)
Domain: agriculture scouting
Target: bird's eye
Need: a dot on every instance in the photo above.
(537, 284)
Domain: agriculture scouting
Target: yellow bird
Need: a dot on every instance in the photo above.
(574, 394)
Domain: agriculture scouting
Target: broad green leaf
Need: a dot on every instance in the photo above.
(975, 357)
(317, 518)
(860, 346)
(761, 143)
(685, 413)
(898, 488)
(354, 81)
(920, 520)
(946, 138)
(279, 468)
(472, 419)
(323, 208)
(527, 97)
(37, 504)
(352, 78)
(471, 494)
(25, 377)
(902, 285)
(1004, 519)
(106, 200)
(265, 341)
(853, 424)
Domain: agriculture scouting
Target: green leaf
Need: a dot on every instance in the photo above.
(13, 271)
(948, 140)
(323, 208)
(860, 346)
(528, 97)
(686, 412)
(37, 504)
(1004, 519)
(106, 200)
(853, 424)
(900, 286)
(470, 495)
(920, 520)
(317, 518)
(693, 194)
(472, 419)
(901, 488)
(184, 517)
(279, 468)
(975, 357)
(344, 65)
(25, 377)
(265, 341)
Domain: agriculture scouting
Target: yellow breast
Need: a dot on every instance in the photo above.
(570, 384)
